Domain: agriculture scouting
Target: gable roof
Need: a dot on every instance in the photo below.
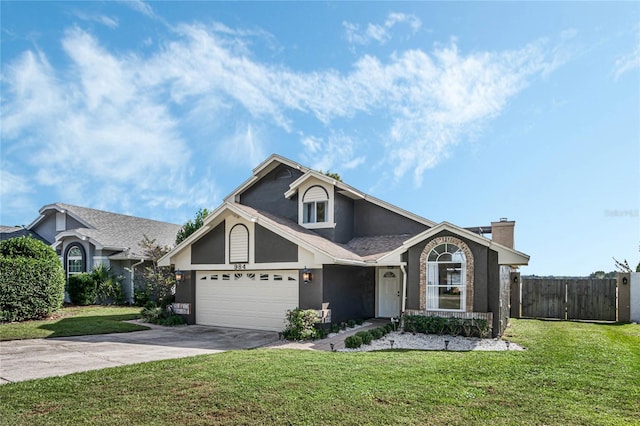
(274, 160)
(8, 232)
(286, 228)
(506, 255)
(111, 231)
(382, 249)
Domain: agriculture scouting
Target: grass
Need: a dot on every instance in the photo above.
(571, 374)
(75, 321)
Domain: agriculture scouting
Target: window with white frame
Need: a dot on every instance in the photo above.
(446, 271)
(75, 260)
(315, 205)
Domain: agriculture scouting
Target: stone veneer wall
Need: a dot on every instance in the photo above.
(468, 263)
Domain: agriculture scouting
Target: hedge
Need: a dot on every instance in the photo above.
(31, 280)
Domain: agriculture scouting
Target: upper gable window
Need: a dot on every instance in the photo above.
(239, 244)
(315, 205)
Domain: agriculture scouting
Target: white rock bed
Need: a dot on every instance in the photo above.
(433, 342)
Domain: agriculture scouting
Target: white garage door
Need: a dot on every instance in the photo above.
(246, 299)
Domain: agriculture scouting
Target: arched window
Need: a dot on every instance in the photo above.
(75, 260)
(239, 244)
(315, 207)
(446, 282)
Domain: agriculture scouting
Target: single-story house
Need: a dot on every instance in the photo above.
(293, 237)
(84, 238)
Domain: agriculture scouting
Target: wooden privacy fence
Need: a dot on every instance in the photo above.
(566, 299)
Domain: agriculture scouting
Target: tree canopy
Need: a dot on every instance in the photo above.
(192, 225)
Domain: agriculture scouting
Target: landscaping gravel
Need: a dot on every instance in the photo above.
(435, 342)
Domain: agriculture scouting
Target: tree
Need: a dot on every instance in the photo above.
(191, 226)
(158, 283)
(622, 266)
(332, 175)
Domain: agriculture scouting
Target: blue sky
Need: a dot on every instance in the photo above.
(459, 112)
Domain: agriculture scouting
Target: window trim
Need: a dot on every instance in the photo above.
(436, 264)
(231, 246)
(468, 272)
(83, 259)
(306, 202)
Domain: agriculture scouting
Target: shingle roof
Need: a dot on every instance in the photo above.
(7, 232)
(373, 248)
(360, 249)
(120, 231)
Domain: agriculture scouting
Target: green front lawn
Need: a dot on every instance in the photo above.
(571, 374)
(75, 321)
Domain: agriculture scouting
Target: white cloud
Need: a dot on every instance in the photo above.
(627, 63)
(244, 147)
(13, 185)
(97, 134)
(113, 120)
(380, 33)
(140, 6)
(336, 152)
(101, 19)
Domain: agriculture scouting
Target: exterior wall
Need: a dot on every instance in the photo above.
(480, 273)
(268, 194)
(210, 248)
(186, 293)
(311, 294)
(344, 219)
(47, 228)
(270, 247)
(350, 292)
(372, 220)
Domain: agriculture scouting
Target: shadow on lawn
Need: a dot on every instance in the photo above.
(79, 326)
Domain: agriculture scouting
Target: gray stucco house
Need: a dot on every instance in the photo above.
(293, 237)
(84, 238)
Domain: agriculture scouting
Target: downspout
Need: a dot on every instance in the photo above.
(404, 289)
(133, 271)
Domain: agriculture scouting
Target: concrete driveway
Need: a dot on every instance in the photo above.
(37, 358)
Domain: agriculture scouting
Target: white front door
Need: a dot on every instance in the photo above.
(389, 293)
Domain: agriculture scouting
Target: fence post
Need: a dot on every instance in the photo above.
(514, 279)
(624, 296)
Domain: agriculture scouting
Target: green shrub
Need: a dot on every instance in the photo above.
(321, 332)
(108, 285)
(343, 326)
(31, 280)
(351, 323)
(353, 342)
(161, 316)
(452, 325)
(389, 327)
(300, 324)
(359, 321)
(365, 336)
(82, 289)
(335, 328)
(375, 333)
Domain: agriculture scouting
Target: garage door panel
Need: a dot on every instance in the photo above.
(253, 299)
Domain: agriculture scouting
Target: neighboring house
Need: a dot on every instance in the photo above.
(293, 237)
(84, 238)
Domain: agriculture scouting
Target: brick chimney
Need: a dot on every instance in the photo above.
(502, 232)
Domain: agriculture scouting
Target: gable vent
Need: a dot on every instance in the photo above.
(239, 244)
(315, 193)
